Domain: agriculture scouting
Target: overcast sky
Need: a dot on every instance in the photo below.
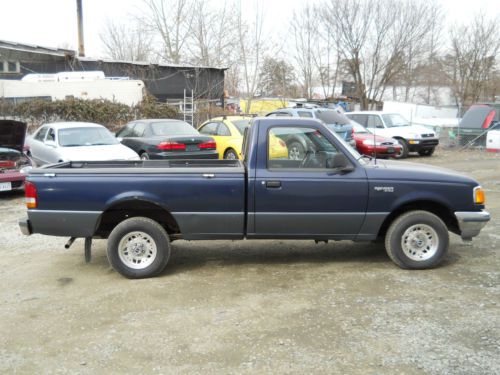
(52, 23)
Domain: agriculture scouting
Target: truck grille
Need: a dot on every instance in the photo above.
(427, 135)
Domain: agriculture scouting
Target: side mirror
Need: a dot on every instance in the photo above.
(50, 143)
(340, 162)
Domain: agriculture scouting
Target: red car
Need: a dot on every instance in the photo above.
(14, 164)
(368, 144)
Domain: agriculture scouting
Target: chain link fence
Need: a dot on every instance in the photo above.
(463, 139)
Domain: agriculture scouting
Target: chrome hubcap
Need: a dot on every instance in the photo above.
(137, 250)
(420, 242)
(230, 156)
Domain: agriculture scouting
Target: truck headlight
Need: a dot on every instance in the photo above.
(479, 196)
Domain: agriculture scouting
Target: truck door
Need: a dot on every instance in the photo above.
(306, 198)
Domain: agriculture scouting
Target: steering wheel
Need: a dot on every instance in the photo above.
(310, 158)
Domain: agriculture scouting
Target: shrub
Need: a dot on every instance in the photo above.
(101, 111)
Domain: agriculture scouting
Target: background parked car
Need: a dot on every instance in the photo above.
(228, 133)
(392, 125)
(330, 116)
(76, 141)
(477, 121)
(167, 139)
(14, 163)
(369, 144)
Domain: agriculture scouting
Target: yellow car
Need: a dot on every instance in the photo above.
(228, 134)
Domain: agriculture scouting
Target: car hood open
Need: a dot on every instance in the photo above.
(12, 134)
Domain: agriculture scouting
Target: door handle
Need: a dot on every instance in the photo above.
(273, 184)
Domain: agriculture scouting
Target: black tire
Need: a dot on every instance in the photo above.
(417, 240)
(230, 155)
(144, 156)
(296, 151)
(405, 150)
(142, 234)
(426, 152)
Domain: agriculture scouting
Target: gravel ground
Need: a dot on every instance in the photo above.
(254, 306)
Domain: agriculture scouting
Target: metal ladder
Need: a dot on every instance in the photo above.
(188, 107)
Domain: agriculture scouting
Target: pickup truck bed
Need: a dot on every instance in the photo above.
(189, 190)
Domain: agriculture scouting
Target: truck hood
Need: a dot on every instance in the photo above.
(400, 170)
(12, 134)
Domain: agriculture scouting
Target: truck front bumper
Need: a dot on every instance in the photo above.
(471, 222)
(25, 226)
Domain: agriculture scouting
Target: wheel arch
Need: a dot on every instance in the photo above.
(230, 148)
(439, 209)
(121, 210)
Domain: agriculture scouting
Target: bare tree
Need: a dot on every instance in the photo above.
(251, 49)
(375, 40)
(212, 42)
(171, 22)
(304, 26)
(474, 50)
(121, 42)
(326, 56)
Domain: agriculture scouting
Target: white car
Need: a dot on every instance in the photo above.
(76, 141)
(392, 125)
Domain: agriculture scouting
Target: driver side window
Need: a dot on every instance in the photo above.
(299, 148)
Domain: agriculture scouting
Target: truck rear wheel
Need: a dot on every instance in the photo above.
(138, 247)
(417, 240)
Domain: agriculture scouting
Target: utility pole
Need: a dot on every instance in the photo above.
(79, 14)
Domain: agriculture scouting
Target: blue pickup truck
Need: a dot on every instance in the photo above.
(332, 193)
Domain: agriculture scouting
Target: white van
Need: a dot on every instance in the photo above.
(413, 138)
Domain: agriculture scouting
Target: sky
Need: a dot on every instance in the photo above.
(52, 23)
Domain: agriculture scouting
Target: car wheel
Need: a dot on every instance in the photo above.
(296, 151)
(230, 155)
(427, 152)
(417, 240)
(144, 156)
(138, 247)
(404, 149)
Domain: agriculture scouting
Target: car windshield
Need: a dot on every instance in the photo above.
(173, 128)
(241, 125)
(394, 120)
(86, 136)
(330, 116)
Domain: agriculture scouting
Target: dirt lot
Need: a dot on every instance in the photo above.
(254, 306)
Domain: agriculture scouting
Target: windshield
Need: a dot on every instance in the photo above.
(89, 136)
(394, 120)
(173, 128)
(330, 116)
(241, 125)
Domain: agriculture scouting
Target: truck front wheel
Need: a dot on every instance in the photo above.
(138, 247)
(417, 240)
